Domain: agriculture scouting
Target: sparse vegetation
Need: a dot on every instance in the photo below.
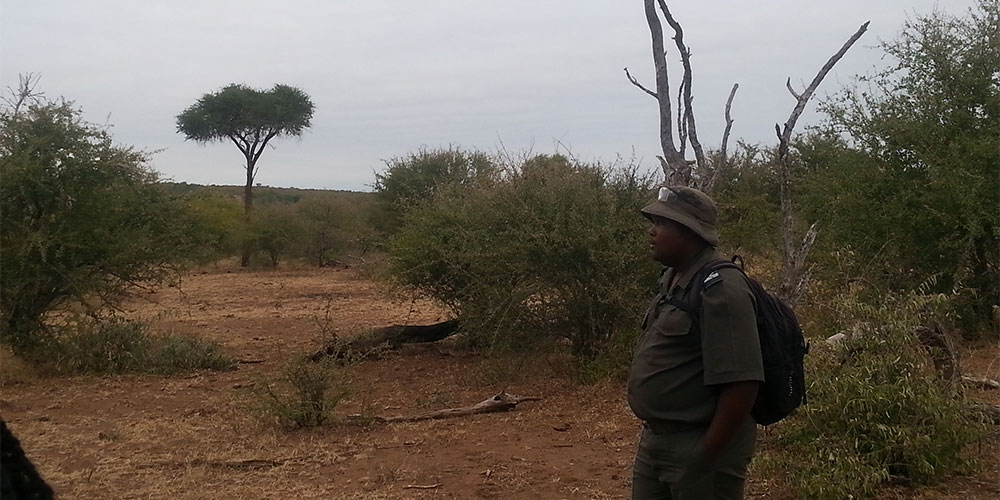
(543, 264)
(304, 395)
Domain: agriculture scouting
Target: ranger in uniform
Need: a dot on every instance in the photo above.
(693, 388)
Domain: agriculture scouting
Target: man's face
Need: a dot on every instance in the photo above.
(666, 242)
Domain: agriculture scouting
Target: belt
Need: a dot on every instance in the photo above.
(670, 427)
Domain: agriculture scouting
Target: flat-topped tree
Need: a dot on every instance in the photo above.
(249, 118)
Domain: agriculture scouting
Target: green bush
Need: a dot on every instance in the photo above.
(918, 194)
(305, 394)
(117, 346)
(84, 219)
(333, 227)
(878, 412)
(551, 249)
(410, 180)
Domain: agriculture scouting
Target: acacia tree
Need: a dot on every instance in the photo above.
(249, 118)
(703, 171)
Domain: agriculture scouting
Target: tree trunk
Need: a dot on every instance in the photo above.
(247, 210)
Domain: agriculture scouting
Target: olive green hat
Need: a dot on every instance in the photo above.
(687, 206)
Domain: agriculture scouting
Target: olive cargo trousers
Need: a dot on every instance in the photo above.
(662, 472)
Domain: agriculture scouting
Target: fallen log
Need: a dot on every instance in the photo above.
(498, 403)
(387, 338)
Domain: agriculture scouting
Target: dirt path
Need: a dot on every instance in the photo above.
(193, 437)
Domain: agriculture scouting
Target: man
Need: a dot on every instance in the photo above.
(693, 381)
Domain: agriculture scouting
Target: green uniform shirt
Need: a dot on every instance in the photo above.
(675, 370)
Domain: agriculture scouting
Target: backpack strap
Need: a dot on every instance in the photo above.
(702, 278)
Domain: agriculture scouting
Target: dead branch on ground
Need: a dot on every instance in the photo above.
(498, 403)
(422, 486)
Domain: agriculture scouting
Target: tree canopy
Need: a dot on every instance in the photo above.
(247, 117)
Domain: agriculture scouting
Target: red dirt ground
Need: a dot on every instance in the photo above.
(193, 437)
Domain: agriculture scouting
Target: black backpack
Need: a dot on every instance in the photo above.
(782, 345)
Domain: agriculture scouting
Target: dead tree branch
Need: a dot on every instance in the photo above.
(691, 130)
(794, 273)
(676, 170)
(498, 403)
(682, 135)
(785, 134)
(722, 163)
(788, 85)
(637, 84)
(24, 94)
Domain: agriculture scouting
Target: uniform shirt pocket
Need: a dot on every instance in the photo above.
(671, 322)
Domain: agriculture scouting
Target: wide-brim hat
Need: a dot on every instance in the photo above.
(688, 206)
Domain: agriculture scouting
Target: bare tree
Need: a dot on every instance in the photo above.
(794, 271)
(677, 169)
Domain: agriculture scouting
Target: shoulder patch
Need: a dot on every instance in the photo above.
(712, 278)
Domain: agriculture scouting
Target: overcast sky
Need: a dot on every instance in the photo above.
(389, 77)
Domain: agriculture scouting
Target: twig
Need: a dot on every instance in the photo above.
(422, 486)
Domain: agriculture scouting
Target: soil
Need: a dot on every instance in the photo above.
(194, 436)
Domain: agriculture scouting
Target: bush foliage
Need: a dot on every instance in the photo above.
(83, 218)
(551, 248)
(878, 412)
